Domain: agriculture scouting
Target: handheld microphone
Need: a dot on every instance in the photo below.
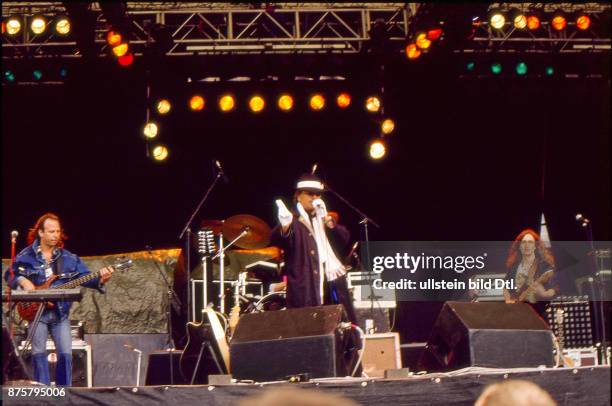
(221, 171)
(14, 235)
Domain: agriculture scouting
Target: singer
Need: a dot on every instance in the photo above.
(313, 242)
(43, 258)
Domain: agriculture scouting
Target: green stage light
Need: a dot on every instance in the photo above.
(496, 68)
(550, 71)
(63, 72)
(470, 66)
(9, 76)
(37, 74)
(521, 68)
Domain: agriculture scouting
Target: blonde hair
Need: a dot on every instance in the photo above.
(514, 393)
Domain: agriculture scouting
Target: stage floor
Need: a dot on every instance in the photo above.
(568, 386)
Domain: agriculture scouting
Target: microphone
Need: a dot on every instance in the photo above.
(14, 235)
(220, 169)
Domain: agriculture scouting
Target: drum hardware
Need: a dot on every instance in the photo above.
(206, 247)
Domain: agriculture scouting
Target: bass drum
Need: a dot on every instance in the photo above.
(271, 302)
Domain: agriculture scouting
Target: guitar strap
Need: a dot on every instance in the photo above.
(58, 265)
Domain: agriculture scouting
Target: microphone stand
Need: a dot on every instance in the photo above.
(187, 231)
(365, 220)
(173, 301)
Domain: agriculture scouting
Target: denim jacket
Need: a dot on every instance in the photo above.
(30, 264)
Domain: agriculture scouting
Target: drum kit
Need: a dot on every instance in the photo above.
(250, 235)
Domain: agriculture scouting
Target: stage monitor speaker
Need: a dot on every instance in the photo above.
(272, 345)
(488, 334)
(382, 351)
(81, 369)
(158, 370)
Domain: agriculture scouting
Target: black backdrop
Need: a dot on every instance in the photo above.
(465, 161)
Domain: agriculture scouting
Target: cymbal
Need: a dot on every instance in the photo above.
(258, 232)
(215, 225)
(273, 252)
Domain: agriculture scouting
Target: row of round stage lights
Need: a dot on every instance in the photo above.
(12, 26)
(520, 68)
(422, 42)
(533, 21)
(377, 148)
(37, 75)
(257, 104)
(120, 47)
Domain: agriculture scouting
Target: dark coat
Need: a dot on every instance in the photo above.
(302, 259)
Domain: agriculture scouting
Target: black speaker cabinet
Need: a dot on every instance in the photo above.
(81, 367)
(158, 369)
(488, 334)
(272, 345)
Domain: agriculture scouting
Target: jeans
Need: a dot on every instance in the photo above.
(50, 322)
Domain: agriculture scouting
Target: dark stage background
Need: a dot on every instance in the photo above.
(465, 160)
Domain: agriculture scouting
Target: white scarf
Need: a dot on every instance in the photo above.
(329, 265)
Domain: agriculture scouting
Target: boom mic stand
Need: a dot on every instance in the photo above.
(187, 233)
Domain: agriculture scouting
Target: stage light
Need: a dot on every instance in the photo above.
(317, 102)
(62, 26)
(160, 153)
(114, 38)
(559, 22)
(343, 100)
(285, 102)
(226, 103)
(126, 60)
(470, 66)
(496, 68)
(150, 130)
(521, 68)
(38, 25)
(412, 52)
(533, 22)
(372, 104)
(550, 71)
(37, 74)
(377, 149)
(387, 126)
(63, 73)
(196, 103)
(3, 27)
(434, 34)
(13, 26)
(257, 104)
(422, 41)
(497, 19)
(163, 106)
(519, 20)
(121, 49)
(9, 76)
(583, 22)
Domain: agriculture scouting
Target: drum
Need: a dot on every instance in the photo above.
(270, 302)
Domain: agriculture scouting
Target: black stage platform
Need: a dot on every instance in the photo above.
(579, 386)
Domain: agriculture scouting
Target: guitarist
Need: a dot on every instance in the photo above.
(46, 258)
(531, 266)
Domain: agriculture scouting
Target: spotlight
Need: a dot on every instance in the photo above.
(126, 60)
(521, 68)
(317, 102)
(257, 104)
(62, 26)
(38, 25)
(583, 22)
(9, 76)
(150, 130)
(196, 103)
(121, 49)
(412, 52)
(37, 74)
(372, 104)
(422, 41)
(559, 22)
(533, 22)
(434, 34)
(285, 102)
(497, 19)
(13, 26)
(377, 149)
(387, 126)
(496, 68)
(343, 100)
(550, 71)
(63, 73)
(519, 20)
(470, 66)
(163, 106)
(114, 38)
(226, 103)
(160, 153)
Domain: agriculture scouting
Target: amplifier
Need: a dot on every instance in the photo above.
(582, 357)
(81, 362)
(382, 351)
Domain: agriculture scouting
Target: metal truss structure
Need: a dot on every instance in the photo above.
(221, 28)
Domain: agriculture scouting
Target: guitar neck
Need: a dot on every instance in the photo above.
(79, 281)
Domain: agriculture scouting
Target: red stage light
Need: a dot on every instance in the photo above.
(434, 34)
(412, 52)
(583, 22)
(559, 22)
(113, 38)
(126, 60)
(533, 22)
